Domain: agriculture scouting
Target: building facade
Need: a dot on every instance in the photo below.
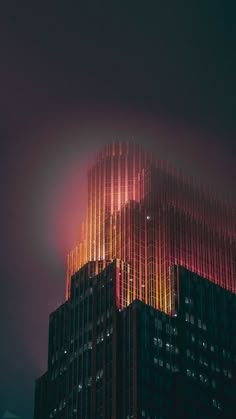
(139, 362)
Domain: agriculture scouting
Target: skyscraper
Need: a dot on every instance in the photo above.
(156, 250)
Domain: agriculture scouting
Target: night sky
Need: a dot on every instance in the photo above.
(72, 79)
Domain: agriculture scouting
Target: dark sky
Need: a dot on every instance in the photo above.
(72, 79)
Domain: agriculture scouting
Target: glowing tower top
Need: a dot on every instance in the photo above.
(149, 216)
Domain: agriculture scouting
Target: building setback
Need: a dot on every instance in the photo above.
(139, 362)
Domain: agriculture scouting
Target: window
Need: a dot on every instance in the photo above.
(216, 404)
(160, 343)
(192, 337)
(159, 324)
(175, 331)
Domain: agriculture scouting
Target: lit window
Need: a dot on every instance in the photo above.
(175, 331)
(160, 343)
(216, 404)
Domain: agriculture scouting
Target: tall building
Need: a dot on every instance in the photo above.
(147, 327)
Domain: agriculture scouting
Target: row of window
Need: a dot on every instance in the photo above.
(171, 367)
(169, 347)
(190, 318)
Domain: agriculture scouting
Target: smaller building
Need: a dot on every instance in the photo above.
(181, 366)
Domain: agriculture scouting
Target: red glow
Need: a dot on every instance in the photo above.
(67, 206)
(146, 214)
